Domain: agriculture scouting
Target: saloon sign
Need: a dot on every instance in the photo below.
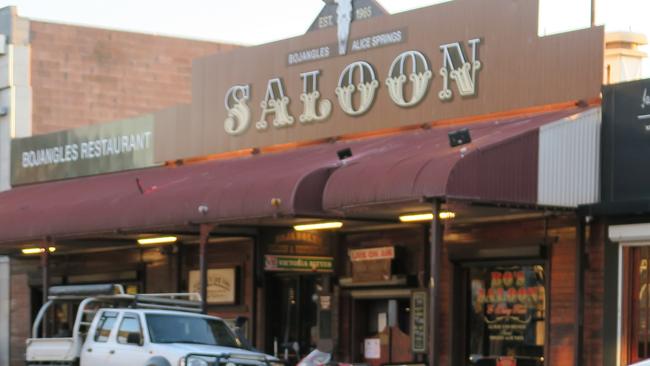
(359, 70)
(409, 69)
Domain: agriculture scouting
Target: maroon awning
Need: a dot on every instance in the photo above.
(499, 165)
(169, 196)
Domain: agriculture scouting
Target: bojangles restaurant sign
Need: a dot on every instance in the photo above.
(359, 70)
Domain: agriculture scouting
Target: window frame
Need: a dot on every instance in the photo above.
(135, 317)
(103, 317)
(460, 279)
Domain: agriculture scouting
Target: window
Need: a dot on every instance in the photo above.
(506, 317)
(129, 328)
(105, 325)
(165, 328)
(638, 300)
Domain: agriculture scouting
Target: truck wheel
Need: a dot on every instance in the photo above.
(158, 361)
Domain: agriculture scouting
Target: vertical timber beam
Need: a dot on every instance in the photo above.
(593, 13)
(45, 278)
(205, 230)
(435, 241)
(580, 291)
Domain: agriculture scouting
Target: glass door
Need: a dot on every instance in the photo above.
(638, 304)
(506, 315)
(292, 315)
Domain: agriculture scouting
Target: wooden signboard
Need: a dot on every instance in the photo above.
(221, 285)
(453, 60)
(372, 264)
(419, 321)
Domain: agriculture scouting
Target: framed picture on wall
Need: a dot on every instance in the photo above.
(222, 285)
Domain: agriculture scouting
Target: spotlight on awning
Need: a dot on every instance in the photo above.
(38, 250)
(459, 137)
(158, 240)
(344, 154)
(443, 215)
(319, 226)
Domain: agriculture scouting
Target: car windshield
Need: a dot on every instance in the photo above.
(166, 328)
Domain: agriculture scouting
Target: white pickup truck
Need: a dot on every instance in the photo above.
(138, 330)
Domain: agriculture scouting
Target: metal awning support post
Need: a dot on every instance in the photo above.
(205, 230)
(579, 290)
(435, 241)
(45, 276)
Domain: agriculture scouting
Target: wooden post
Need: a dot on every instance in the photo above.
(593, 13)
(45, 276)
(579, 291)
(205, 230)
(435, 241)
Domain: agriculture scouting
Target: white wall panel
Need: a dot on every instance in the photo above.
(569, 160)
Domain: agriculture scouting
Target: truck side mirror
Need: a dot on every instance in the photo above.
(134, 338)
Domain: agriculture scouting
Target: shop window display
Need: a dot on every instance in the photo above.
(506, 318)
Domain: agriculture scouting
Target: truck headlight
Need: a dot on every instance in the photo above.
(197, 361)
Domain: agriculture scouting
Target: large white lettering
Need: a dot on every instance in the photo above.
(420, 76)
(315, 109)
(463, 74)
(357, 86)
(367, 87)
(92, 149)
(239, 114)
(277, 103)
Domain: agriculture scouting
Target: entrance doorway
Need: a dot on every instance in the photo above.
(382, 331)
(292, 314)
(505, 314)
(636, 303)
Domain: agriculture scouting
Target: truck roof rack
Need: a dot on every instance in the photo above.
(112, 296)
(83, 291)
(177, 302)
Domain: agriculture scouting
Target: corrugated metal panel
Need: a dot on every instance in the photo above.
(569, 155)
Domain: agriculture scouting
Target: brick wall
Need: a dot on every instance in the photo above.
(20, 317)
(594, 295)
(83, 75)
(562, 277)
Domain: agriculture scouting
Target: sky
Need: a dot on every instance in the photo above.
(251, 22)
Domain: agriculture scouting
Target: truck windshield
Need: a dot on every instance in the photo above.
(165, 328)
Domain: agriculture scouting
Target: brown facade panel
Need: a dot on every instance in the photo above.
(594, 294)
(20, 316)
(84, 75)
(562, 313)
(518, 70)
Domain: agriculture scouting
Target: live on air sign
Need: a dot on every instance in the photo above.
(372, 254)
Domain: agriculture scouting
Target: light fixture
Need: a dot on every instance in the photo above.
(319, 226)
(38, 250)
(158, 240)
(459, 137)
(443, 215)
(344, 154)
